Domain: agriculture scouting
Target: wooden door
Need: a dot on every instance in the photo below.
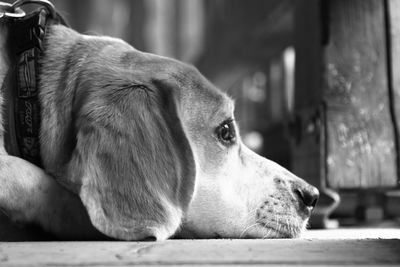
(345, 127)
(360, 132)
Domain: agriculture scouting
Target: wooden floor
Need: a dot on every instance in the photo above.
(316, 248)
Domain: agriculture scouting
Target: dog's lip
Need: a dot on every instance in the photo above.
(305, 211)
(281, 231)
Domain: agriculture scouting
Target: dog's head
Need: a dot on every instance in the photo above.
(153, 149)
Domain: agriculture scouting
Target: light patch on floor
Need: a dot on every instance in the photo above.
(353, 233)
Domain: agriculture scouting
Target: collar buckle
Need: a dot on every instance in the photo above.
(29, 32)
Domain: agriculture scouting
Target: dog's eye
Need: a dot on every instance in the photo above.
(226, 133)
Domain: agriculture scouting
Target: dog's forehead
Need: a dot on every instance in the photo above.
(200, 96)
(195, 92)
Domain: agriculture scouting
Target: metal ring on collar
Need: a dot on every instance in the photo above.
(8, 10)
(47, 4)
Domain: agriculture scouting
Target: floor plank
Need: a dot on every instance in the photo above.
(310, 252)
(354, 233)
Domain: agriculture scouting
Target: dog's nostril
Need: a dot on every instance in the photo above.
(309, 196)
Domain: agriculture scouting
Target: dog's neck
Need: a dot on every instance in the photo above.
(64, 81)
(58, 82)
(53, 73)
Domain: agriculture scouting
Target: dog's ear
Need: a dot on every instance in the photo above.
(132, 166)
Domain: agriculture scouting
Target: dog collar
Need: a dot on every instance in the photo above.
(23, 114)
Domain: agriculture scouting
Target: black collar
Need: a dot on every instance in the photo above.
(20, 88)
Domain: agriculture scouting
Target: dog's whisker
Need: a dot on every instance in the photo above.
(267, 234)
(278, 225)
(247, 229)
(288, 226)
(279, 229)
(251, 213)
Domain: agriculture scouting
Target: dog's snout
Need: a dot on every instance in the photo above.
(308, 195)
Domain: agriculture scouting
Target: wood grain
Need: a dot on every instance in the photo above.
(393, 13)
(202, 252)
(394, 22)
(361, 149)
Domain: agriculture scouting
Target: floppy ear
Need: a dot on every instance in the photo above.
(132, 166)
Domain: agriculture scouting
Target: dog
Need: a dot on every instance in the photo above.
(137, 146)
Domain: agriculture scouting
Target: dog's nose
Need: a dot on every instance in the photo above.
(308, 195)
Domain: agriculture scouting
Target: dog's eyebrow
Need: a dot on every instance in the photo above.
(223, 110)
(216, 105)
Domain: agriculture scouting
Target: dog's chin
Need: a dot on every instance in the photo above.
(277, 228)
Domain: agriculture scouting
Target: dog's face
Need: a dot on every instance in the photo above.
(155, 149)
(238, 193)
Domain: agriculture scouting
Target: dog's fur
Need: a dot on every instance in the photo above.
(130, 151)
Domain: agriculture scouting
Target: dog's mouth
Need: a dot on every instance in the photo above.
(272, 230)
(279, 229)
(282, 216)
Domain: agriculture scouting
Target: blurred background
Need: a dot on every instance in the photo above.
(245, 49)
(316, 84)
